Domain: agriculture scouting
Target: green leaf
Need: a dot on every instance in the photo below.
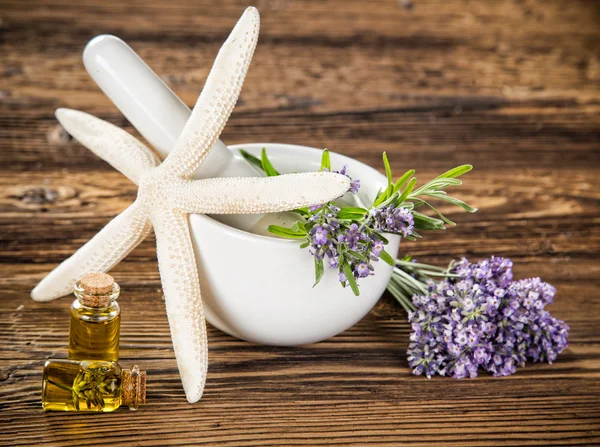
(456, 172)
(305, 244)
(406, 192)
(445, 182)
(325, 161)
(419, 202)
(308, 226)
(298, 227)
(383, 239)
(377, 196)
(380, 199)
(358, 255)
(350, 278)
(423, 222)
(402, 180)
(319, 270)
(266, 164)
(353, 213)
(453, 201)
(388, 173)
(354, 209)
(254, 161)
(437, 185)
(387, 193)
(286, 232)
(387, 258)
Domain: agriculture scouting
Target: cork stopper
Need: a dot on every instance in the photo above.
(97, 283)
(133, 387)
(97, 289)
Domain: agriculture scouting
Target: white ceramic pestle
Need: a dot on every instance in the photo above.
(156, 112)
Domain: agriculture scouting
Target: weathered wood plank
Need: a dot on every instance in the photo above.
(469, 83)
(491, 137)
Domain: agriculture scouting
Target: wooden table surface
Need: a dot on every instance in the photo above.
(512, 87)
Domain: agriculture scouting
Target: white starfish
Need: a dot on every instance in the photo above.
(166, 196)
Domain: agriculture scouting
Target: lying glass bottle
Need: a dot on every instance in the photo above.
(95, 319)
(91, 385)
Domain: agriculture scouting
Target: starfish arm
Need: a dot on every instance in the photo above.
(257, 195)
(218, 97)
(109, 142)
(179, 277)
(101, 253)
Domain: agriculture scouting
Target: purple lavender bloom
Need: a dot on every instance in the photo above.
(393, 220)
(354, 186)
(377, 248)
(320, 235)
(483, 319)
(351, 237)
(481, 355)
(362, 269)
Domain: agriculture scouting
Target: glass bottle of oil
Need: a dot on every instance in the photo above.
(91, 385)
(95, 319)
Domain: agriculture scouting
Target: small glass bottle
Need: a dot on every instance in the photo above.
(95, 319)
(90, 385)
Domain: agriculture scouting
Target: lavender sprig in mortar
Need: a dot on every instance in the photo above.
(351, 239)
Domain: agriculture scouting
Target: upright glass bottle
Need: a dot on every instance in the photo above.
(70, 385)
(95, 319)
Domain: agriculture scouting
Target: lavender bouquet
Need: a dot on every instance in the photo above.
(476, 317)
(349, 236)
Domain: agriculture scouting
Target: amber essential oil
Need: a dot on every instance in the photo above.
(95, 319)
(70, 385)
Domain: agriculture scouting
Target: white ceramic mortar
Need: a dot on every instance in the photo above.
(257, 288)
(260, 288)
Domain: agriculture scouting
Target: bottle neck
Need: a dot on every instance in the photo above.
(98, 301)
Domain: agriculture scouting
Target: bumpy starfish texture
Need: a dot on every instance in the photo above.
(166, 195)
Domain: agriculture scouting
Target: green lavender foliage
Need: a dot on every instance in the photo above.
(401, 193)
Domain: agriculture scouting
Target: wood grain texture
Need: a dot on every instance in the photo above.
(512, 87)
